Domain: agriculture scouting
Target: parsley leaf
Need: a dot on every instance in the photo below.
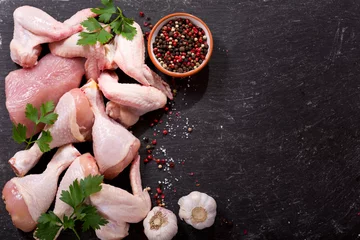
(79, 212)
(44, 141)
(106, 12)
(46, 231)
(92, 219)
(47, 108)
(91, 185)
(97, 33)
(50, 218)
(116, 26)
(87, 38)
(91, 24)
(49, 118)
(46, 117)
(31, 113)
(104, 36)
(19, 133)
(105, 17)
(69, 223)
(74, 196)
(128, 31)
(49, 224)
(106, 2)
(92, 38)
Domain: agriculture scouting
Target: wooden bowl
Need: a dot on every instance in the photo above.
(196, 21)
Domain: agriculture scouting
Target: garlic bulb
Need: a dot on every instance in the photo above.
(198, 209)
(160, 224)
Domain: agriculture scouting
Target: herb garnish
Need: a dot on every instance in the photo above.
(46, 116)
(98, 28)
(49, 224)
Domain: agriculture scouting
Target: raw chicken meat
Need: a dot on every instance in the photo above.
(129, 101)
(73, 125)
(82, 167)
(120, 207)
(130, 57)
(114, 146)
(99, 57)
(126, 116)
(49, 80)
(113, 230)
(79, 17)
(68, 48)
(28, 197)
(33, 27)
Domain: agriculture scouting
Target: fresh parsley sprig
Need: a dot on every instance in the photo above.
(46, 116)
(49, 224)
(98, 29)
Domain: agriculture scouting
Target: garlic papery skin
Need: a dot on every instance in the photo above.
(160, 224)
(198, 209)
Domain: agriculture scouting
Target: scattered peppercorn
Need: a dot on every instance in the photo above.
(158, 161)
(141, 14)
(149, 157)
(145, 139)
(147, 34)
(149, 151)
(159, 197)
(146, 160)
(165, 132)
(172, 165)
(180, 46)
(190, 129)
(228, 223)
(154, 142)
(166, 109)
(160, 166)
(149, 147)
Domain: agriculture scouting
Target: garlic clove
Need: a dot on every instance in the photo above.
(160, 224)
(198, 210)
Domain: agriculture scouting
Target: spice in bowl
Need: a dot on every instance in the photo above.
(180, 46)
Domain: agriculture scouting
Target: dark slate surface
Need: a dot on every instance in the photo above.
(275, 115)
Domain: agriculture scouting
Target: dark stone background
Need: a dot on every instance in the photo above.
(275, 115)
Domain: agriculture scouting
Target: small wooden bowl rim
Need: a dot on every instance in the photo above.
(175, 74)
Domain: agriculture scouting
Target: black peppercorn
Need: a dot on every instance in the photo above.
(180, 45)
